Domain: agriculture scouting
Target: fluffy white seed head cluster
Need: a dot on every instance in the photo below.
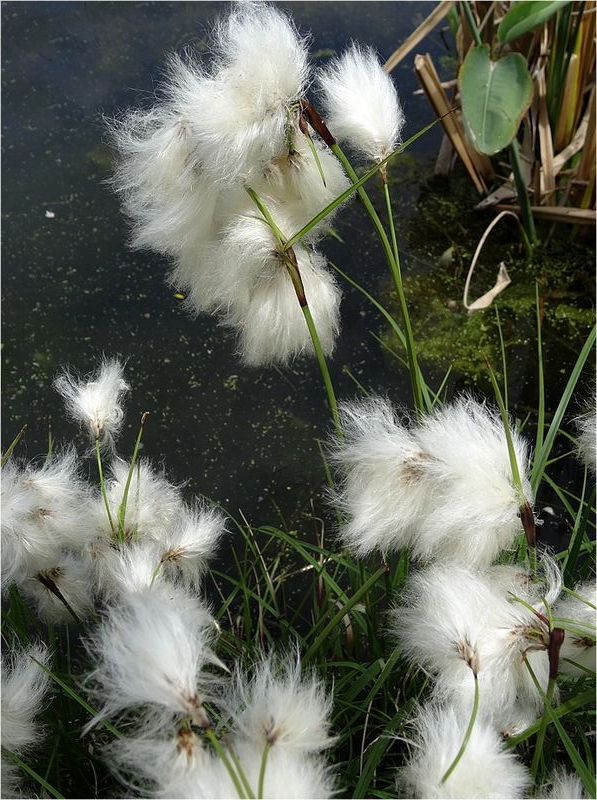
(361, 103)
(151, 651)
(219, 127)
(271, 706)
(96, 402)
(456, 623)
(25, 686)
(60, 547)
(442, 487)
(487, 769)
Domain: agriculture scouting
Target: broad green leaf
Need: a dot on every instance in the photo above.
(526, 16)
(495, 95)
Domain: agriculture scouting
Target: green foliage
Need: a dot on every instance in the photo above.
(495, 96)
(525, 16)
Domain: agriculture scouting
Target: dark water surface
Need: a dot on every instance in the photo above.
(73, 290)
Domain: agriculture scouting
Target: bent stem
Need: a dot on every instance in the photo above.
(100, 472)
(125, 495)
(467, 734)
(290, 262)
(393, 258)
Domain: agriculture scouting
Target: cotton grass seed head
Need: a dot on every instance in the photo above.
(278, 706)
(442, 487)
(381, 488)
(563, 786)
(185, 550)
(361, 103)
(152, 651)
(24, 688)
(96, 402)
(487, 769)
(67, 580)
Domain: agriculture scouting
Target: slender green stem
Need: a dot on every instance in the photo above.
(240, 770)
(504, 362)
(267, 216)
(325, 373)
(388, 199)
(394, 263)
(292, 266)
(468, 13)
(103, 484)
(226, 761)
(467, 734)
(517, 480)
(523, 195)
(540, 377)
(260, 789)
(125, 495)
(354, 188)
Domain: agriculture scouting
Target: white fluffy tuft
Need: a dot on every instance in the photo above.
(564, 786)
(443, 487)
(24, 687)
(280, 707)
(455, 620)
(487, 769)
(96, 402)
(151, 650)
(185, 550)
(43, 510)
(361, 103)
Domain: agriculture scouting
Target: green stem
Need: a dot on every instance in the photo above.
(266, 750)
(542, 730)
(325, 374)
(394, 263)
(540, 376)
(467, 734)
(523, 195)
(291, 265)
(103, 484)
(241, 772)
(226, 761)
(125, 496)
(468, 13)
